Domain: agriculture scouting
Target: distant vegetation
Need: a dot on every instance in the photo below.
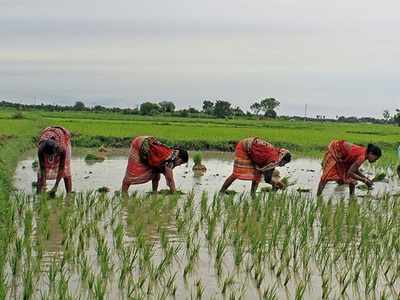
(263, 109)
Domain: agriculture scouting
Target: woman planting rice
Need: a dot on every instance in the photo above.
(54, 151)
(342, 164)
(148, 158)
(255, 157)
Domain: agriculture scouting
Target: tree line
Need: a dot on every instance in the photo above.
(265, 108)
(217, 109)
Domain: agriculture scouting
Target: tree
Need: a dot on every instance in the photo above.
(396, 117)
(255, 108)
(386, 115)
(79, 105)
(237, 111)
(208, 107)
(268, 106)
(222, 109)
(99, 108)
(192, 110)
(166, 106)
(149, 108)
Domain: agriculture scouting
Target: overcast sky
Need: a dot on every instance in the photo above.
(340, 57)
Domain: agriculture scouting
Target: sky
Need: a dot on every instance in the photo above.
(339, 57)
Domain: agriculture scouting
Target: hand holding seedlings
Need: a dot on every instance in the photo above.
(369, 183)
(277, 183)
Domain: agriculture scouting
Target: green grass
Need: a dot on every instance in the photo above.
(15, 138)
(303, 138)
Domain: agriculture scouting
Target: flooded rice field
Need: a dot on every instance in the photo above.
(303, 174)
(279, 245)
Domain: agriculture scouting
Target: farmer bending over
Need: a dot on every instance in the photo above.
(148, 158)
(54, 152)
(342, 164)
(255, 157)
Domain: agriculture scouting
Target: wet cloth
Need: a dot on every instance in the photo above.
(62, 138)
(147, 158)
(338, 160)
(252, 155)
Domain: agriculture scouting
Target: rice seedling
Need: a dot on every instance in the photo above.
(119, 236)
(187, 270)
(270, 294)
(99, 289)
(84, 268)
(301, 288)
(90, 157)
(238, 249)
(228, 282)
(199, 289)
(211, 222)
(28, 284)
(63, 288)
(283, 239)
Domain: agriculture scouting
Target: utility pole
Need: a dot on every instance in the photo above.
(305, 113)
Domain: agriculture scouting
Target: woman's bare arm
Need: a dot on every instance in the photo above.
(60, 170)
(169, 176)
(355, 173)
(42, 172)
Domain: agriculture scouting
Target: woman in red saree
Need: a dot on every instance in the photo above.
(255, 157)
(342, 164)
(148, 158)
(54, 151)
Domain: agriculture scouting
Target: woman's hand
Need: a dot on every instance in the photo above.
(53, 192)
(368, 182)
(277, 183)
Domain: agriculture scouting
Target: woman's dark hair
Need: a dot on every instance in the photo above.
(183, 155)
(49, 147)
(287, 158)
(374, 149)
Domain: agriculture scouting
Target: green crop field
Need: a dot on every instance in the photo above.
(304, 138)
(277, 242)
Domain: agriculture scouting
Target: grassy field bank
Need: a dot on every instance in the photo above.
(304, 138)
(15, 138)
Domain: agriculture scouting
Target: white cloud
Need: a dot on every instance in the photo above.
(340, 57)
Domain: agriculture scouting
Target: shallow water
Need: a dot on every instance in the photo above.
(304, 172)
(133, 215)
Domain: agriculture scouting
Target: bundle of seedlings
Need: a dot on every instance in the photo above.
(198, 166)
(378, 178)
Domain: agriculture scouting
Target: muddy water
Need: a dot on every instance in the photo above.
(304, 174)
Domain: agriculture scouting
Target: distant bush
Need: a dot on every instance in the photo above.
(18, 115)
(94, 157)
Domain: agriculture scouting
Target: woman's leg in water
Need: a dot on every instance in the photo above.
(155, 181)
(68, 184)
(352, 188)
(125, 186)
(254, 186)
(321, 187)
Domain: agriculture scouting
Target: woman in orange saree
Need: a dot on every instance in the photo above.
(254, 158)
(342, 164)
(54, 152)
(148, 158)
